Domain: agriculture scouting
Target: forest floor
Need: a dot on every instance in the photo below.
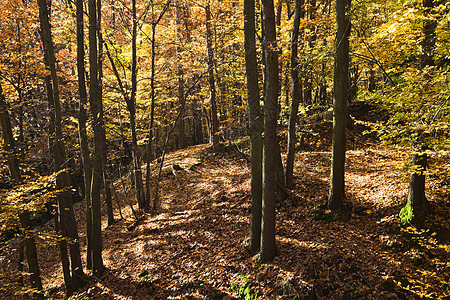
(196, 246)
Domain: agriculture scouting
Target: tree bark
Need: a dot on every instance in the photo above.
(82, 132)
(214, 127)
(8, 140)
(106, 179)
(268, 246)
(131, 105)
(68, 226)
(416, 193)
(97, 124)
(256, 125)
(181, 98)
(31, 253)
(341, 95)
(429, 32)
(152, 118)
(296, 97)
(152, 103)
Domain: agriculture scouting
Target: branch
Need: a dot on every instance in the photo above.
(373, 56)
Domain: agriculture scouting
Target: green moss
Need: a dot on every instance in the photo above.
(406, 214)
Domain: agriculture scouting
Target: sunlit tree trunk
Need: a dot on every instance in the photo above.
(256, 124)
(214, 127)
(271, 111)
(152, 103)
(341, 96)
(82, 132)
(97, 124)
(67, 223)
(131, 105)
(152, 118)
(106, 180)
(296, 96)
(8, 139)
(181, 99)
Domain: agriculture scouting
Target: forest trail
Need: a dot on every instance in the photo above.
(196, 246)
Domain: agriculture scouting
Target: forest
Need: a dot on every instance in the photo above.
(234, 149)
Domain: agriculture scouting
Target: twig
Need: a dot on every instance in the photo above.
(373, 56)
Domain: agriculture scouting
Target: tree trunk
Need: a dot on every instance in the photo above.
(152, 118)
(198, 125)
(152, 110)
(181, 99)
(429, 32)
(8, 139)
(417, 201)
(97, 124)
(31, 253)
(82, 120)
(268, 246)
(256, 125)
(296, 97)
(341, 96)
(131, 105)
(68, 226)
(106, 180)
(214, 127)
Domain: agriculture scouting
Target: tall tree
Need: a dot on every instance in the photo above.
(66, 223)
(256, 124)
(97, 124)
(8, 139)
(152, 99)
(31, 254)
(106, 179)
(131, 106)
(82, 132)
(271, 111)
(180, 75)
(341, 96)
(296, 96)
(214, 127)
(429, 32)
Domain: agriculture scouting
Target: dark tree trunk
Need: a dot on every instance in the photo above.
(82, 120)
(97, 124)
(198, 126)
(131, 105)
(181, 98)
(8, 139)
(296, 97)
(341, 96)
(268, 246)
(256, 124)
(152, 109)
(416, 194)
(214, 127)
(281, 193)
(429, 32)
(106, 179)
(31, 253)
(67, 224)
(152, 118)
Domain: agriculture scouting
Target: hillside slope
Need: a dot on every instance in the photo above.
(195, 247)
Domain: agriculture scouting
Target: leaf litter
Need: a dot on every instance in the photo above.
(195, 246)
